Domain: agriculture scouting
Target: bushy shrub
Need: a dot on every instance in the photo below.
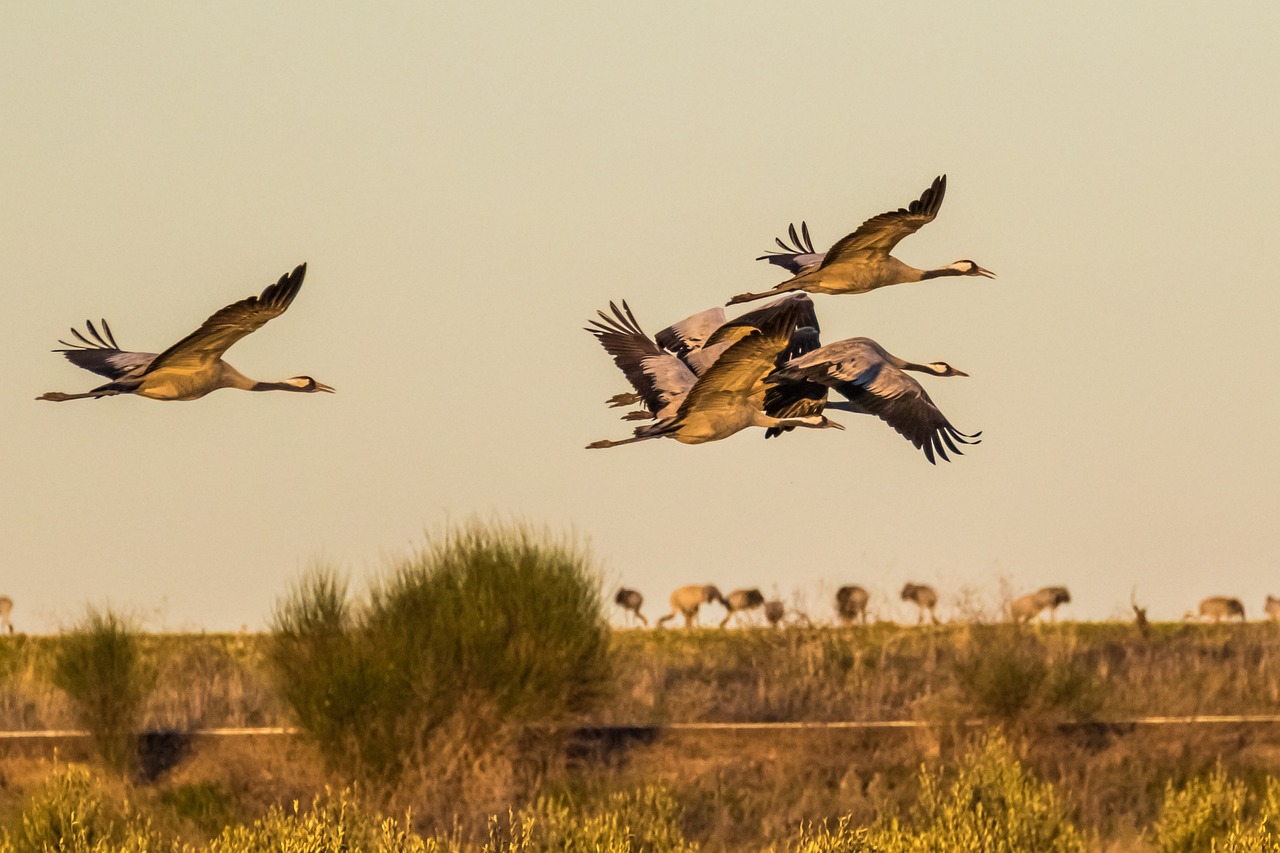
(101, 667)
(991, 805)
(647, 819)
(489, 626)
(334, 824)
(1010, 676)
(1217, 812)
(77, 812)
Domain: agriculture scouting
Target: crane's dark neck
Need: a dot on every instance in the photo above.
(939, 273)
(273, 386)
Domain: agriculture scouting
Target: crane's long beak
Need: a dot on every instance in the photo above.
(955, 372)
(320, 386)
(986, 273)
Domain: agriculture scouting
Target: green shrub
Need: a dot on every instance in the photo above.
(206, 805)
(647, 819)
(844, 838)
(76, 812)
(1216, 812)
(991, 805)
(332, 825)
(100, 665)
(490, 626)
(1009, 675)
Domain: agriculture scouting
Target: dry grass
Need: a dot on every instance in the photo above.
(741, 791)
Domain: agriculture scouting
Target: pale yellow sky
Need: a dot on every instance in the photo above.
(470, 181)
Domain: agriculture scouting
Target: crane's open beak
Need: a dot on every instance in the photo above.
(320, 386)
(985, 273)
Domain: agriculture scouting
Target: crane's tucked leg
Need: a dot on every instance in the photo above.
(59, 397)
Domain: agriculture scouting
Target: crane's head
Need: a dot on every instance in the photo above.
(968, 267)
(941, 368)
(307, 385)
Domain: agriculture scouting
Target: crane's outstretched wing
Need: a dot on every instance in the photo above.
(858, 370)
(100, 353)
(798, 256)
(228, 325)
(881, 233)
(688, 339)
(660, 378)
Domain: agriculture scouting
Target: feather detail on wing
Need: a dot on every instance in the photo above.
(98, 352)
(228, 325)
(881, 233)
(798, 256)
(660, 378)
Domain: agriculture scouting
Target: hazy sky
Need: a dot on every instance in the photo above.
(470, 181)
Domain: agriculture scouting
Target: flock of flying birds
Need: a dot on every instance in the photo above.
(701, 379)
(708, 377)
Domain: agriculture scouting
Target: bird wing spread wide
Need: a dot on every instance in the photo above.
(881, 233)
(659, 377)
(738, 374)
(228, 325)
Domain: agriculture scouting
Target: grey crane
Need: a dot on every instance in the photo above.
(728, 397)
(923, 597)
(740, 601)
(873, 381)
(193, 366)
(630, 600)
(860, 261)
(687, 600)
(1219, 607)
(6, 609)
(774, 611)
(1027, 607)
(851, 603)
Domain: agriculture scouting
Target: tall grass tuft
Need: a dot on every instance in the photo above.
(488, 628)
(101, 666)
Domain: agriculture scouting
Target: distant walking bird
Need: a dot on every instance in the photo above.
(687, 600)
(851, 604)
(923, 597)
(730, 395)
(873, 381)
(860, 261)
(740, 601)
(630, 600)
(6, 608)
(1219, 607)
(1027, 607)
(193, 366)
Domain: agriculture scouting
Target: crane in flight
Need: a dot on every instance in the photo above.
(193, 366)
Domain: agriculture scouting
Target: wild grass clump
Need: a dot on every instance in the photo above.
(489, 629)
(1217, 812)
(990, 804)
(101, 666)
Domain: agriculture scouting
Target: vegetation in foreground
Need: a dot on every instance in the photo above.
(442, 697)
(986, 802)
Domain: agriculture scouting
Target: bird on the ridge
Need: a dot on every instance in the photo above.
(193, 366)
(873, 382)
(860, 261)
(728, 397)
